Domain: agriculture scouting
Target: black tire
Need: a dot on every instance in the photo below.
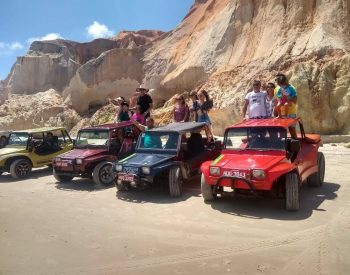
(61, 178)
(175, 182)
(103, 175)
(316, 180)
(20, 168)
(292, 198)
(207, 190)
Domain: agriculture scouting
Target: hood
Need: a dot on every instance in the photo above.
(140, 159)
(82, 153)
(12, 150)
(248, 160)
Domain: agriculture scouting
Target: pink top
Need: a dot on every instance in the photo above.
(180, 113)
(139, 118)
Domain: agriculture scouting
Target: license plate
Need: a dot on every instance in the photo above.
(64, 164)
(126, 177)
(234, 173)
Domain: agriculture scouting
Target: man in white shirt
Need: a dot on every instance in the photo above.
(255, 102)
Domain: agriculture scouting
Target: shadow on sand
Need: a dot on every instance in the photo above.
(35, 174)
(159, 194)
(79, 184)
(261, 208)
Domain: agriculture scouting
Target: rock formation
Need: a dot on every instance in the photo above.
(221, 45)
(41, 109)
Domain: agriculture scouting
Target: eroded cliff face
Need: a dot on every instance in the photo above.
(221, 45)
(224, 45)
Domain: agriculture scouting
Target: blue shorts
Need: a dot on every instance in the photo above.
(204, 118)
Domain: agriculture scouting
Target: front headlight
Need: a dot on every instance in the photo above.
(214, 171)
(146, 170)
(118, 167)
(57, 159)
(79, 161)
(258, 174)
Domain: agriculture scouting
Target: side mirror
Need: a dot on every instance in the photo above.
(294, 145)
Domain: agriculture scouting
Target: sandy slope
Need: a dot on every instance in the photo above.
(46, 228)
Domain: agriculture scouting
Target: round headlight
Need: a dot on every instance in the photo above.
(118, 167)
(79, 161)
(258, 174)
(214, 171)
(146, 170)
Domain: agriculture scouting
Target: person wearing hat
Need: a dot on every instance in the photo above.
(255, 102)
(144, 101)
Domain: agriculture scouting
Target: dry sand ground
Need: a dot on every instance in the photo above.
(50, 228)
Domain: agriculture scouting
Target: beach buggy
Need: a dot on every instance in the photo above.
(260, 157)
(94, 151)
(167, 155)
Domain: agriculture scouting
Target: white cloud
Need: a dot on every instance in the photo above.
(49, 36)
(15, 46)
(9, 48)
(97, 30)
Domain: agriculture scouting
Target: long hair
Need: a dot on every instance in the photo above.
(206, 95)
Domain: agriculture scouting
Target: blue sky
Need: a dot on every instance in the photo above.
(23, 21)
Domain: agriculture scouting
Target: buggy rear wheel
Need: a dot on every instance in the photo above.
(316, 179)
(292, 192)
(207, 190)
(175, 182)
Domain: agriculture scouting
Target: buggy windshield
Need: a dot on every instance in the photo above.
(18, 139)
(262, 138)
(159, 140)
(95, 138)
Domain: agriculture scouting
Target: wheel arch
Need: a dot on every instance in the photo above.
(10, 160)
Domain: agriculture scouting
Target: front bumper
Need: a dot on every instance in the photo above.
(232, 180)
(69, 170)
(138, 181)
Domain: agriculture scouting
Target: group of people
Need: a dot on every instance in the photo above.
(198, 111)
(135, 111)
(138, 109)
(275, 101)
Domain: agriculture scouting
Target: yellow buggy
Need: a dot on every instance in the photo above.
(27, 149)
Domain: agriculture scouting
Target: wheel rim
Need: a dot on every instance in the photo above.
(106, 174)
(23, 169)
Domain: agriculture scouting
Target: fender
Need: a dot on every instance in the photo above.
(281, 169)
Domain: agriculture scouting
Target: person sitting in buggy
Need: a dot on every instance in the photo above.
(49, 145)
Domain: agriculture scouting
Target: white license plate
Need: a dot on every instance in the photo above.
(234, 173)
(64, 164)
(126, 177)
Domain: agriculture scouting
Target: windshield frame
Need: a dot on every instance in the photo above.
(158, 150)
(247, 135)
(19, 145)
(92, 146)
